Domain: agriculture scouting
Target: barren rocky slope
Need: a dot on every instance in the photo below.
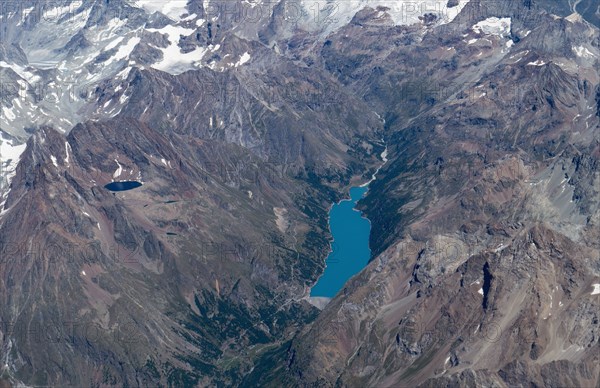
(188, 278)
(166, 283)
(486, 219)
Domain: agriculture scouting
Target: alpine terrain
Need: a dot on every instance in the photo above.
(167, 170)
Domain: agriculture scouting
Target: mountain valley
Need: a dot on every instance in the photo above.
(242, 122)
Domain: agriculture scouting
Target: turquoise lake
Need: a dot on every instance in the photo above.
(350, 247)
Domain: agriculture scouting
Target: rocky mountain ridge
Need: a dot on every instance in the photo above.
(485, 219)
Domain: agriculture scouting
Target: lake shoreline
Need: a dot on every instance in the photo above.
(320, 301)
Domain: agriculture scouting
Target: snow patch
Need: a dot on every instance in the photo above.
(243, 59)
(119, 169)
(500, 248)
(583, 52)
(174, 61)
(27, 11)
(113, 44)
(123, 98)
(125, 50)
(8, 113)
(56, 12)
(123, 74)
(537, 63)
(189, 18)
(493, 26)
(10, 154)
(596, 289)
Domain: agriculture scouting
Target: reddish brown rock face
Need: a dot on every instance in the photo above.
(242, 131)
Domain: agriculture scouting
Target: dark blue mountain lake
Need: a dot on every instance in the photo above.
(350, 248)
(122, 186)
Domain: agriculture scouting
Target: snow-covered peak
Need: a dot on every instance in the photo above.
(56, 54)
(175, 10)
(331, 15)
(66, 56)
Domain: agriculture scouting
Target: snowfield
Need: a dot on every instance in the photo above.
(493, 26)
